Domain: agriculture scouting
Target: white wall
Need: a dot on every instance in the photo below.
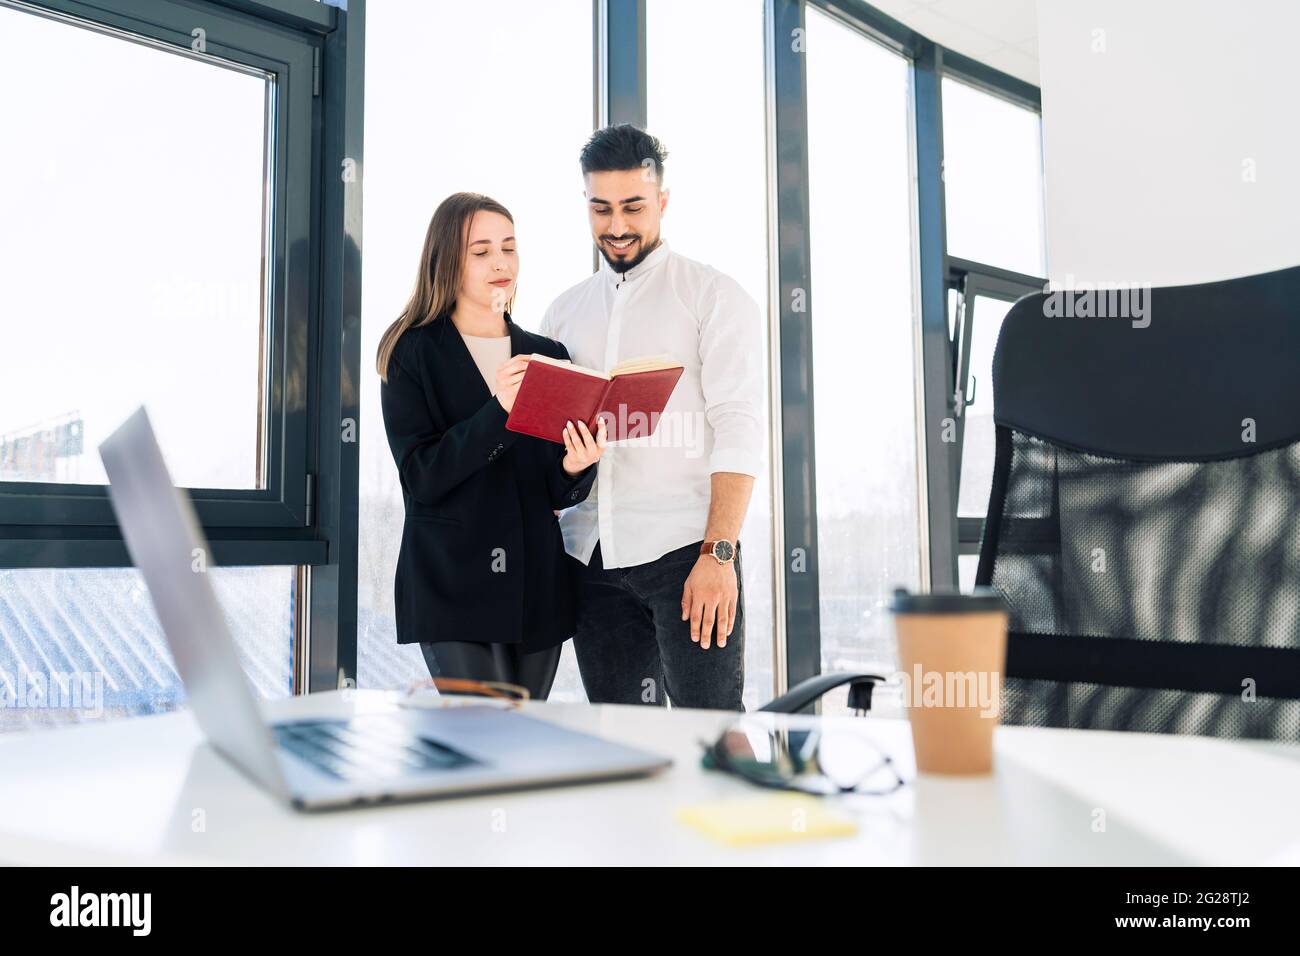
(1171, 138)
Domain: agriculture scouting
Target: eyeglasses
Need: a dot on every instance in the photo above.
(429, 693)
(812, 761)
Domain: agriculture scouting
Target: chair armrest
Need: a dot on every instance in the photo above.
(807, 692)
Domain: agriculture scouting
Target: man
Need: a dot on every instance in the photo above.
(661, 608)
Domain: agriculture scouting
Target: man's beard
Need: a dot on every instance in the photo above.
(622, 265)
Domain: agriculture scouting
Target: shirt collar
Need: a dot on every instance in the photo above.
(644, 267)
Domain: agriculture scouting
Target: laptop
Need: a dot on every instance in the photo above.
(408, 753)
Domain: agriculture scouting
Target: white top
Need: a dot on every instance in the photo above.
(149, 790)
(652, 494)
(489, 354)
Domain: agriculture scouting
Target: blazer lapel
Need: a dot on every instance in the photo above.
(517, 344)
(466, 392)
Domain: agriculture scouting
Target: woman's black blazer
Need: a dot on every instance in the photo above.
(482, 557)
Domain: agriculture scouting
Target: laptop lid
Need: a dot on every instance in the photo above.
(166, 543)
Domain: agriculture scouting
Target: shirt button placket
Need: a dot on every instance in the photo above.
(605, 467)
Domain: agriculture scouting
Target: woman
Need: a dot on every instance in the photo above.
(483, 582)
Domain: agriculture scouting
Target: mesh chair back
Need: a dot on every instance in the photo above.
(1144, 521)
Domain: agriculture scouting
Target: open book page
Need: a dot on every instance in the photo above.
(571, 366)
(646, 363)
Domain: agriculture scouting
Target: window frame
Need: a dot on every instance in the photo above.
(972, 281)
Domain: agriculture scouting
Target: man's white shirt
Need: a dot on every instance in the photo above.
(652, 493)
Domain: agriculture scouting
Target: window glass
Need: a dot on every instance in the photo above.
(132, 234)
(993, 179)
(85, 644)
(868, 534)
(977, 439)
(717, 213)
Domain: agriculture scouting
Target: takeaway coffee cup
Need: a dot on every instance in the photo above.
(952, 651)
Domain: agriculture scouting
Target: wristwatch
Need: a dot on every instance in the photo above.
(722, 550)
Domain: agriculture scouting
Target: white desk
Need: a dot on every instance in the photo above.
(130, 791)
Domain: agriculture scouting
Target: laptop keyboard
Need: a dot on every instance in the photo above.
(366, 748)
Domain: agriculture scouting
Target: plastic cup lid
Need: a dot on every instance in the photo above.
(980, 601)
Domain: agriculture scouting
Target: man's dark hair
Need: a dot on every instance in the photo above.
(622, 147)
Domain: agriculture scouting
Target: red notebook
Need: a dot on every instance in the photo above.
(631, 397)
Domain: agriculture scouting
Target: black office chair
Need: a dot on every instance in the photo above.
(1144, 521)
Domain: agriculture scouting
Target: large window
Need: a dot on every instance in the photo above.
(210, 278)
(859, 184)
(131, 243)
(717, 213)
(158, 250)
(148, 268)
(502, 106)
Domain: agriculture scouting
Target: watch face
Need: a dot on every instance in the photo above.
(724, 550)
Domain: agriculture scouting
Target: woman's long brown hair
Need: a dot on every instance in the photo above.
(441, 263)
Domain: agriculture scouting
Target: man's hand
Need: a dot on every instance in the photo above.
(509, 375)
(709, 600)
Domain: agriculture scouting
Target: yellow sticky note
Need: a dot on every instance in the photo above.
(766, 819)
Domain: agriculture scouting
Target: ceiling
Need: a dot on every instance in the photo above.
(1000, 33)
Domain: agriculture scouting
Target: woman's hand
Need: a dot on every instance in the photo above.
(583, 450)
(509, 375)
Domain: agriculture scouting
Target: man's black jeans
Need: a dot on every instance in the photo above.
(634, 648)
